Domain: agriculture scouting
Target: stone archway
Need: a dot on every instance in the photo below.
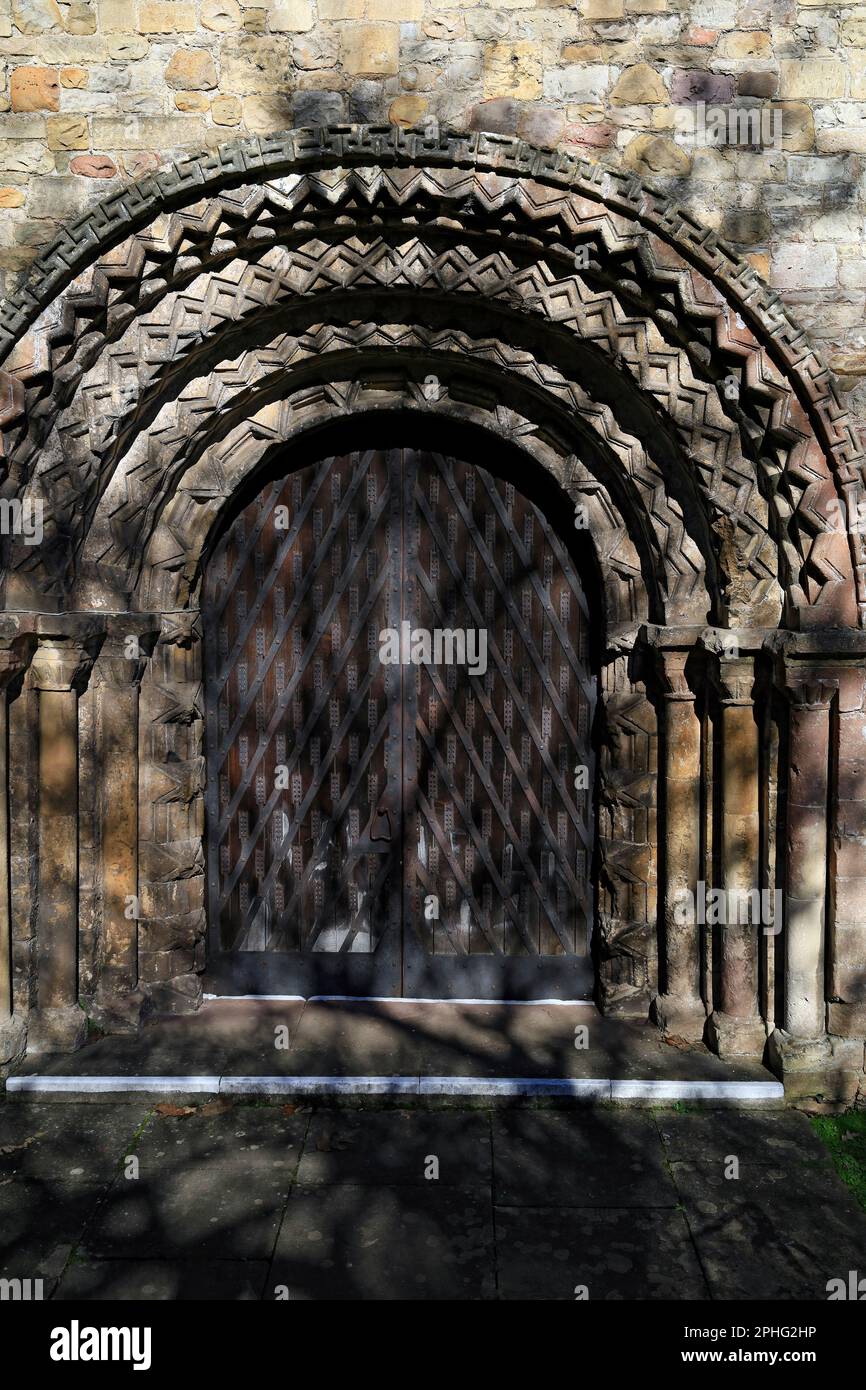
(236, 303)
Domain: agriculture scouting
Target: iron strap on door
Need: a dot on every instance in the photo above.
(396, 698)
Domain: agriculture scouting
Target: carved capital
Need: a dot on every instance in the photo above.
(671, 671)
(68, 646)
(130, 639)
(671, 651)
(181, 629)
(808, 687)
(15, 657)
(731, 664)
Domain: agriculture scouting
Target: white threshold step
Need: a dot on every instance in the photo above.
(589, 1088)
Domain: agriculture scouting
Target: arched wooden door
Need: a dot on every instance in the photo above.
(398, 714)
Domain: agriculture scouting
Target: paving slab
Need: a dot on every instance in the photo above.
(777, 1231)
(553, 1252)
(41, 1223)
(395, 1147)
(763, 1139)
(257, 1138)
(152, 1280)
(75, 1143)
(325, 1203)
(581, 1158)
(208, 1186)
(387, 1243)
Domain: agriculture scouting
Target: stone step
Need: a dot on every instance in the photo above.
(409, 1051)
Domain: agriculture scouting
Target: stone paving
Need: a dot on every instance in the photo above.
(254, 1201)
(237, 1037)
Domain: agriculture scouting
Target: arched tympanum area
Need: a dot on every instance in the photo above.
(233, 316)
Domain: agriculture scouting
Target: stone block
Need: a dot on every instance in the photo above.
(34, 89)
(130, 50)
(341, 9)
(264, 115)
(36, 16)
(812, 79)
(690, 86)
(397, 11)
(408, 110)
(318, 108)
(191, 70)
(796, 265)
(93, 166)
(80, 18)
(147, 132)
(291, 17)
(226, 110)
(512, 70)
(256, 67)
(757, 84)
(745, 44)
(650, 155)
(577, 82)
(638, 86)
(166, 17)
(798, 126)
(500, 116)
(221, 16)
(116, 16)
(67, 133)
(192, 101)
(370, 49)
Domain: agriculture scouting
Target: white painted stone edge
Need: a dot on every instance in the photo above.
(404, 1085)
(391, 999)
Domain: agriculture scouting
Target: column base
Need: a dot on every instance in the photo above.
(829, 1071)
(181, 995)
(56, 1030)
(13, 1040)
(676, 1017)
(729, 1036)
(116, 1012)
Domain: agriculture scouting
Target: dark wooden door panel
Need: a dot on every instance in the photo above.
(302, 720)
(497, 839)
(397, 826)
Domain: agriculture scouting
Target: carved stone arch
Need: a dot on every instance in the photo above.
(506, 181)
(547, 415)
(87, 443)
(213, 316)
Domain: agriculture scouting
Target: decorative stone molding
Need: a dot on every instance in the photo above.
(203, 326)
(560, 199)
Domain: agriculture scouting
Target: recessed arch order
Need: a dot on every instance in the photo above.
(233, 307)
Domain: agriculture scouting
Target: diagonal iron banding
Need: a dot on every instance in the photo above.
(519, 886)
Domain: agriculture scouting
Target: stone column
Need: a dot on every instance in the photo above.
(129, 641)
(16, 649)
(800, 1051)
(61, 666)
(736, 1027)
(679, 1011)
(811, 694)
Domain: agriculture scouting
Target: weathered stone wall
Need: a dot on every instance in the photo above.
(96, 92)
